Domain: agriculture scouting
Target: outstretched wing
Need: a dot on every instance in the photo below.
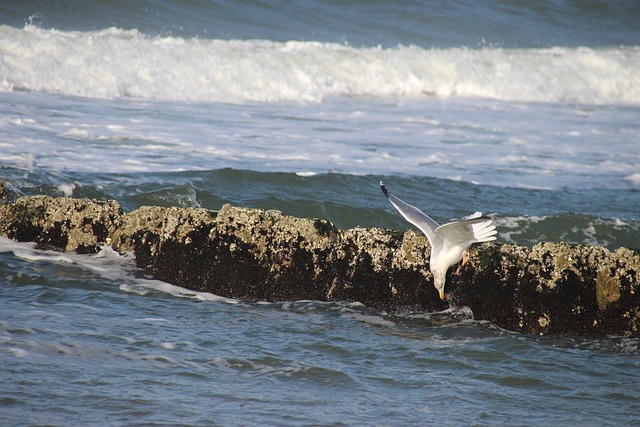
(414, 215)
(471, 229)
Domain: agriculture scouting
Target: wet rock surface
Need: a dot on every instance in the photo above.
(4, 193)
(60, 223)
(550, 289)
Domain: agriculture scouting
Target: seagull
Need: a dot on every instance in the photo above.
(449, 242)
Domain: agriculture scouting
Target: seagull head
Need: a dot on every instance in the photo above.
(439, 278)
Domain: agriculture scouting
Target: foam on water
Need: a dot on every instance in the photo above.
(113, 63)
(110, 265)
(543, 146)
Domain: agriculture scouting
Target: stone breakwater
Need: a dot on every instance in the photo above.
(252, 254)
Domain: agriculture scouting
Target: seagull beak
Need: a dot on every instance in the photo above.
(442, 294)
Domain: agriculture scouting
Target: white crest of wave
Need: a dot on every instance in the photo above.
(115, 63)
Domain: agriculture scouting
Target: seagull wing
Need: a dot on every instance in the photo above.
(471, 229)
(415, 216)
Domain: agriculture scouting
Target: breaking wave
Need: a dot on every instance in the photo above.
(113, 63)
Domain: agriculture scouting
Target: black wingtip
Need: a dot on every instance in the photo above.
(384, 189)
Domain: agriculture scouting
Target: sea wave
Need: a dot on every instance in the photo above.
(114, 63)
(602, 217)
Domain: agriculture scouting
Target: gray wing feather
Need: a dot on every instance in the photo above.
(475, 228)
(415, 216)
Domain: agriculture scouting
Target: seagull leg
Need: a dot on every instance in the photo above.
(465, 258)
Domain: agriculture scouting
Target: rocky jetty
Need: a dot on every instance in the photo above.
(550, 289)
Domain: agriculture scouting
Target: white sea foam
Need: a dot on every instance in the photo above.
(67, 189)
(480, 141)
(115, 267)
(527, 145)
(17, 352)
(29, 253)
(634, 178)
(114, 63)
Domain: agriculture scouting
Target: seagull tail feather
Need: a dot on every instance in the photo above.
(484, 231)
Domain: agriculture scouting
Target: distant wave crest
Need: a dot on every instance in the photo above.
(114, 63)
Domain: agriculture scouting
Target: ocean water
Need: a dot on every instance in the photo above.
(527, 109)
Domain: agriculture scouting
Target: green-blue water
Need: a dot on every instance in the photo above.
(525, 216)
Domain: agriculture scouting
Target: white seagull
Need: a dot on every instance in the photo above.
(449, 242)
